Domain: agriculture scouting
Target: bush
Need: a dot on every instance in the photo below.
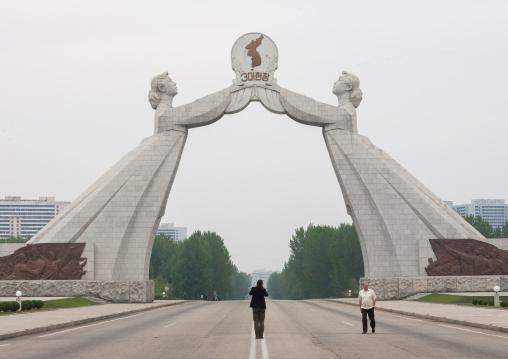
(475, 302)
(491, 303)
(480, 301)
(26, 305)
(39, 304)
(485, 302)
(14, 306)
(504, 303)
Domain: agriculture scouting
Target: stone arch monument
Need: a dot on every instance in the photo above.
(117, 217)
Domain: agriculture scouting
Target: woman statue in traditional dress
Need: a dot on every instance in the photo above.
(120, 213)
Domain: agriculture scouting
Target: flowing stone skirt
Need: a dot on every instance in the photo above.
(119, 214)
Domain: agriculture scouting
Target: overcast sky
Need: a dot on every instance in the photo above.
(75, 76)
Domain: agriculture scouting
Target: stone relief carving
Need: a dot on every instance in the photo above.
(50, 261)
(466, 257)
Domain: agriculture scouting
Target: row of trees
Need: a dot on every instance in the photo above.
(485, 228)
(324, 261)
(17, 239)
(198, 265)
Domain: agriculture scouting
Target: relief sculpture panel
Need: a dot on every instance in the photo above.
(466, 257)
(47, 261)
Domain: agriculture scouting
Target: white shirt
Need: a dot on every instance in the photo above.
(367, 297)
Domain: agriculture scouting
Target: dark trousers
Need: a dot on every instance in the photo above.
(370, 313)
(258, 314)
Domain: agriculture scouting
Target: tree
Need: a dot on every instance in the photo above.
(160, 286)
(480, 225)
(324, 261)
(505, 230)
(200, 264)
(163, 251)
(17, 239)
(276, 285)
(191, 266)
(221, 266)
(240, 285)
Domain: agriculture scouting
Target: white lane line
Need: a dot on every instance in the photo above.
(86, 326)
(474, 331)
(252, 353)
(348, 323)
(170, 325)
(3, 345)
(264, 349)
(398, 316)
(312, 309)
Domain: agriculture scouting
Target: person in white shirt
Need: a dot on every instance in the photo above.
(367, 299)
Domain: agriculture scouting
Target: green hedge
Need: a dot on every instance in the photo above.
(13, 306)
(9, 306)
(32, 304)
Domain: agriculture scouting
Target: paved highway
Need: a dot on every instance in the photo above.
(294, 329)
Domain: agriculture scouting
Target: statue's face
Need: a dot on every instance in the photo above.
(341, 86)
(168, 87)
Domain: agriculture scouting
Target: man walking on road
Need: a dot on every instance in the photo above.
(258, 306)
(367, 299)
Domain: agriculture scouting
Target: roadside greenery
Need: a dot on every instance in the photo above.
(17, 239)
(12, 307)
(68, 303)
(198, 265)
(485, 228)
(324, 261)
(461, 299)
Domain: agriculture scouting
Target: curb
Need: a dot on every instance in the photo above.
(432, 317)
(80, 322)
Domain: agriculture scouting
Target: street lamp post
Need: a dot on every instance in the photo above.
(18, 298)
(496, 296)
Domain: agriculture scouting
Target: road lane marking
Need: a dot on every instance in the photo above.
(3, 345)
(170, 325)
(252, 353)
(253, 346)
(312, 309)
(86, 326)
(264, 349)
(348, 323)
(474, 331)
(398, 316)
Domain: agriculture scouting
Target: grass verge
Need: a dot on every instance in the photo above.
(57, 304)
(456, 299)
(68, 303)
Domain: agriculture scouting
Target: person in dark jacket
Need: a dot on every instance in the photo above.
(258, 306)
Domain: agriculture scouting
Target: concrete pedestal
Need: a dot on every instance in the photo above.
(116, 291)
(390, 288)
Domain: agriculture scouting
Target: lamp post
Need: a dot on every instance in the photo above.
(496, 296)
(349, 293)
(18, 298)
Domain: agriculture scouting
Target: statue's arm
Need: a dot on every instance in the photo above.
(202, 112)
(308, 111)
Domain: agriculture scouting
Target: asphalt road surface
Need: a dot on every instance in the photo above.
(294, 329)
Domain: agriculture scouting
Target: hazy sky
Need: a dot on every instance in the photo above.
(75, 75)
